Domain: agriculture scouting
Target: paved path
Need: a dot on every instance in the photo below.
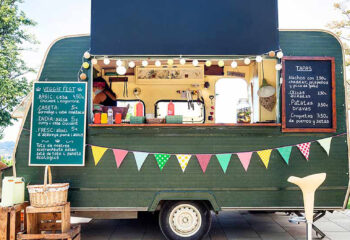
(227, 225)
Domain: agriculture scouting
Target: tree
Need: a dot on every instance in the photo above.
(14, 86)
(341, 27)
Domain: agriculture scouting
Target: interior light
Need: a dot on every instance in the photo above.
(121, 70)
(158, 63)
(106, 61)
(182, 61)
(258, 59)
(208, 63)
(234, 64)
(195, 62)
(170, 62)
(221, 63)
(119, 62)
(247, 61)
(144, 63)
(132, 64)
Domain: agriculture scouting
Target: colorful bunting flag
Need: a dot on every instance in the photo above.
(285, 153)
(140, 158)
(265, 156)
(203, 160)
(245, 157)
(183, 161)
(97, 153)
(119, 156)
(224, 160)
(161, 159)
(326, 144)
(305, 149)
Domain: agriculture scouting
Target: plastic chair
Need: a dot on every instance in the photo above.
(308, 186)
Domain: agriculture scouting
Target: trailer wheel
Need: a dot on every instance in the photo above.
(184, 220)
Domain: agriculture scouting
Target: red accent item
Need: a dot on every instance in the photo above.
(139, 109)
(212, 107)
(171, 109)
(97, 118)
(211, 113)
(118, 118)
(210, 118)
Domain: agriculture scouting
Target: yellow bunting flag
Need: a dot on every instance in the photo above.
(183, 161)
(265, 156)
(97, 153)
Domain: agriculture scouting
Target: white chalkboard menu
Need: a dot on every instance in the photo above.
(58, 124)
(308, 94)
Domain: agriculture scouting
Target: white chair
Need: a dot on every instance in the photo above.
(308, 186)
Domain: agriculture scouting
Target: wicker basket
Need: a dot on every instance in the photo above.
(48, 195)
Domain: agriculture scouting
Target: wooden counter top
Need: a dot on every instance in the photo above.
(190, 125)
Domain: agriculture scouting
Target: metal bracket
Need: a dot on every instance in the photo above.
(317, 216)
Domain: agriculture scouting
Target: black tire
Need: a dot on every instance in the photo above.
(177, 210)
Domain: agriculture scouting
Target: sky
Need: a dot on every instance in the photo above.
(67, 17)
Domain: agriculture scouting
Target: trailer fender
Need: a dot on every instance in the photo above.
(184, 195)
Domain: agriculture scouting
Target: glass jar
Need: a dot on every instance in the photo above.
(243, 111)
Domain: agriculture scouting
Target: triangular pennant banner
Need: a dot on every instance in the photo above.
(285, 153)
(305, 149)
(97, 153)
(203, 160)
(224, 160)
(265, 156)
(119, 156)
(140, 158)
(245, 157)
(183, 161)
(161, 159)
(326, 144)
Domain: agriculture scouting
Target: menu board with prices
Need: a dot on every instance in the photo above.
(58, 124)
(308, 94)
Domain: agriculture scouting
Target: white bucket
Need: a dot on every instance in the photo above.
(12, 191)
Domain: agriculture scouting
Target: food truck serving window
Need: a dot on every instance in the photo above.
(191, 111)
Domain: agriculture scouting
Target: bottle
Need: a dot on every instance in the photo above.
(139, 109)
(118, 118)
(171, 109)
(243, 111)
(97, 118)
(110, 115)
(104, 119)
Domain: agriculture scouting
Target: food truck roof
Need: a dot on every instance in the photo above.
(184, 27)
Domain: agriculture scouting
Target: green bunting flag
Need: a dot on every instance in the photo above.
(224, 160)
(161, 159)
(285, 153)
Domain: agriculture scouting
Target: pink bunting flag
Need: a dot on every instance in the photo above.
(119, 156)
(203, 160)
(305, 149)
(245, 157)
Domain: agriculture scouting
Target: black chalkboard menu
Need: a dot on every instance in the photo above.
(308, 94)
(58, 124)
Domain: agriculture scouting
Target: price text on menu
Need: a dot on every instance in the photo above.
(308, 95)
(58, 124)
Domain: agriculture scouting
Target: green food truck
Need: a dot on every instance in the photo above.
(188, 108)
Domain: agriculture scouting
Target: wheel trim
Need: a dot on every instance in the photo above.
(185, 220)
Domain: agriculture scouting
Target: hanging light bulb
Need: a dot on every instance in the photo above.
(94, 61)
(195, 62)
(170, 62)
(258, 59)
(272, 54)
(132, 64)
(278, 67)
(144, 63)
(87, 55)
(119, 62)
(221, 63)
(247, 61)
(182, 61)
(280, 54)
(83, 76)
(158, 63)
(86, 65)
(234, 64)
(106, 61)
(208, 63)
(121, 70)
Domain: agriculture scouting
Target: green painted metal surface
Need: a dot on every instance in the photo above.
(106, 186)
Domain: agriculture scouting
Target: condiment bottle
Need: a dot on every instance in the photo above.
(139, 109)
(104, 118)
(171, 109)
(110, 115)
(118, 118)
(97, 118)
